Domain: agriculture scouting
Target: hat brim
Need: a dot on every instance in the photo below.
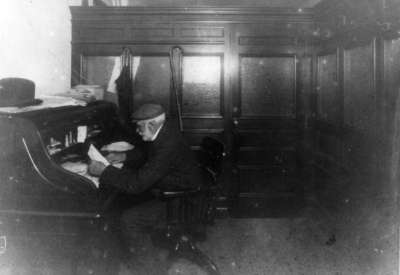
(135, 120)
(34, 102)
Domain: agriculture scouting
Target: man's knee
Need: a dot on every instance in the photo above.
(143, 215)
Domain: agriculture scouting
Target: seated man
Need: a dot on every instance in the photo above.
(169, 163)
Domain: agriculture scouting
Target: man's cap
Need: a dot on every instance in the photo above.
(147, 111)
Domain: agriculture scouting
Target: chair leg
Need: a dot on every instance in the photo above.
(186, 249)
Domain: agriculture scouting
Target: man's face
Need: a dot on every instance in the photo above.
(144, 130)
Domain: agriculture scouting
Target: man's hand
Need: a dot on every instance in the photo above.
(95, 168)
(116, 157)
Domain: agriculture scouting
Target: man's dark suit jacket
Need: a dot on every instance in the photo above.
(169, 164)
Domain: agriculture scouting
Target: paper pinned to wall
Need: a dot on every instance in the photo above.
(94, 154)
(82, 134)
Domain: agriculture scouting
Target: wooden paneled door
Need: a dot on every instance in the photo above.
(264, 118)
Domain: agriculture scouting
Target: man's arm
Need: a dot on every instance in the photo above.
(133, 155)
(137, 181)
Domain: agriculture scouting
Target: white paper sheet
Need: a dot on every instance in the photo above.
(82, 134)
(120, 146)
(94, 154)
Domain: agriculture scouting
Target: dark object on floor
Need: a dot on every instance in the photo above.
(331, 240)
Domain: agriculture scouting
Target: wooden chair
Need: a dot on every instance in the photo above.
(189, 211)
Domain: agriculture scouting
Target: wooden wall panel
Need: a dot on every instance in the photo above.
(99, 69)
(273, 157)
(266, 123)
(202, 91)
(267, 138)
(304, 91)
(194, 136)
(148, 33)
(392, 79)
(211, 31)
(346, 139)
(104, 70)
(327, 87)
(101, 33)
(359, 92)
(267, 86)
(267, 40)
(210, 123)
(147, 90)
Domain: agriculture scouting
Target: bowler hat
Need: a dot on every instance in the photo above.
(147, 111)
(17, 92)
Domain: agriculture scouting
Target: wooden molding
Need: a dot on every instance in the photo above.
(209, 14)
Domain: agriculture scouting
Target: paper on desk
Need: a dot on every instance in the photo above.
(94, 154)
(47, 102)
(82, 134)
(80, 168)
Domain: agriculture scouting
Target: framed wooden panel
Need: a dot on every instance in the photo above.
(202, 85)
(359, 92)
(94, 33)
(268, 138)
(194, 137)
(104, 70)
(391, 74)
(207, 31)
(282, 157)
(145, 89)
(267, 86)
(328, 108)
(98, 70)
(304, 90)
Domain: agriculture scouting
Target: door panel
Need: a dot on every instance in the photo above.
(202, 85)
(145, 89)
(359, 87)
(104, 70)
(328, 107)
(268, 139)
(267, 85)
(99, 69)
